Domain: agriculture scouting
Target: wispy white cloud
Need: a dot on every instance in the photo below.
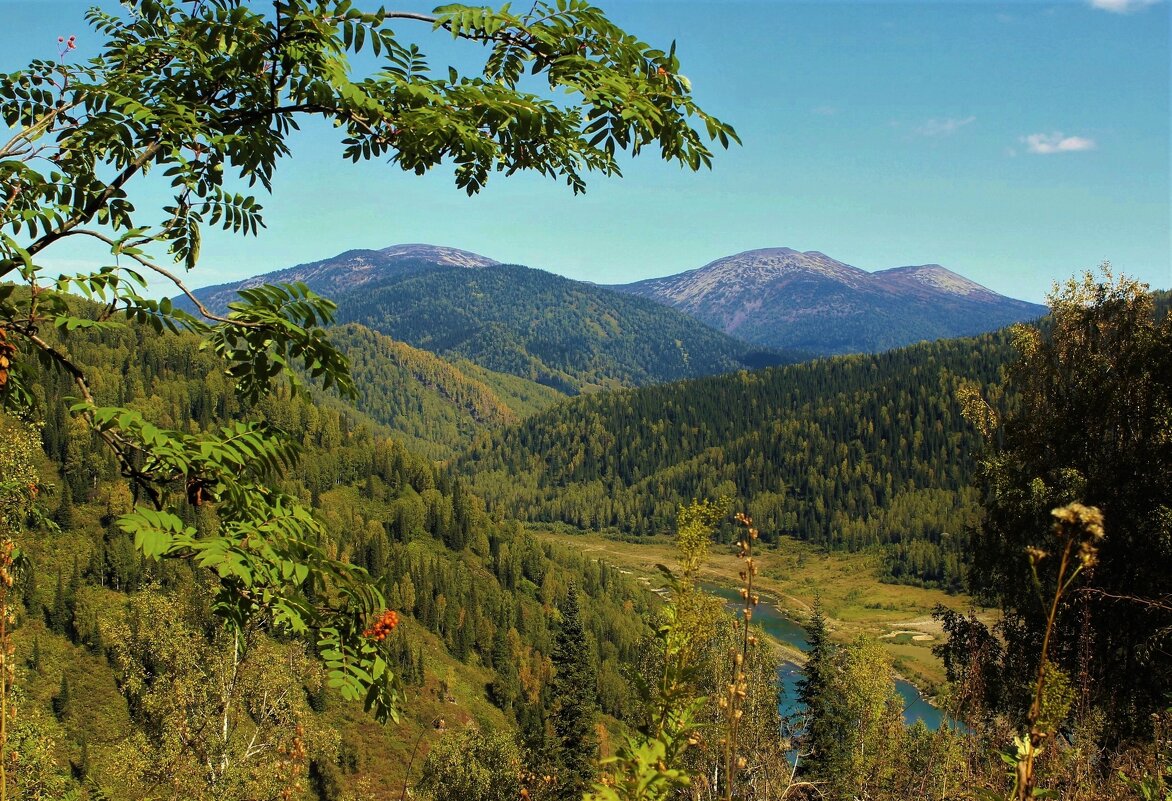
(1045, 144)
(825, 111)
(1122, 6)
(944, 127)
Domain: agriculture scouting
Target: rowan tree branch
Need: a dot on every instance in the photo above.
(170, 276)
(500, 36)
(96, 203)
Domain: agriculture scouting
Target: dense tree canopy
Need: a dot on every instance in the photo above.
(851, 452)
(1093, 425)
(475, 597)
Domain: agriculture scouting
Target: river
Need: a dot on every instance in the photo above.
(777, 625)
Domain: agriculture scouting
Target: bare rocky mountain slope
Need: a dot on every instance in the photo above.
(784, 298)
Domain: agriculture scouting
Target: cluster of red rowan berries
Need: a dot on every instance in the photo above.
(383, 626)
(70, 43)
(7, 352)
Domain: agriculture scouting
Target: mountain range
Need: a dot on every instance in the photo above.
(784, 298)
(749, 310)
(569, 335)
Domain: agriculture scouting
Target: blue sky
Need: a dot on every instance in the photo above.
(1015, 143)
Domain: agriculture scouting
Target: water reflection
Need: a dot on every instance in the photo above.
(787, 631)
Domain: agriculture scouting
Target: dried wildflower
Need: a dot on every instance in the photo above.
(1081, 524)
(1088, 555)
(1075, 519)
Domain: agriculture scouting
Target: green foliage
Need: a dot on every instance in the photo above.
(574, 744)
(216, 715)
(858, 720)
(645, 770)
(20, 480)
(472, 766)
(649, 764)
(972, 655)
(819, 734)
(35, 774)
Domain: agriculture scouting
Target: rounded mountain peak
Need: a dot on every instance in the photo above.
(754, 268)
(437, 254)
(935, 278)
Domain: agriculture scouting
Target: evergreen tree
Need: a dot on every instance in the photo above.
(819, 638)
(34, 660)
(59, 616)
(81, 768)
(505, 686)
(858, 724)
(811, 687)
(574, 702)
(64, 514)
(62, 700)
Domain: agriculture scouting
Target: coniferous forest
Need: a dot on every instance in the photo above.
(847, 453)
(471, 534)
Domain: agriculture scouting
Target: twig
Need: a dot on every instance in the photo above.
(411, 761)
(98, 201)
(170, 276)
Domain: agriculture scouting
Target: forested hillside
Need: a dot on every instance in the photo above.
(124, 681)
(548, 329)
(477, 601)
(848, 452)
(434, 406)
